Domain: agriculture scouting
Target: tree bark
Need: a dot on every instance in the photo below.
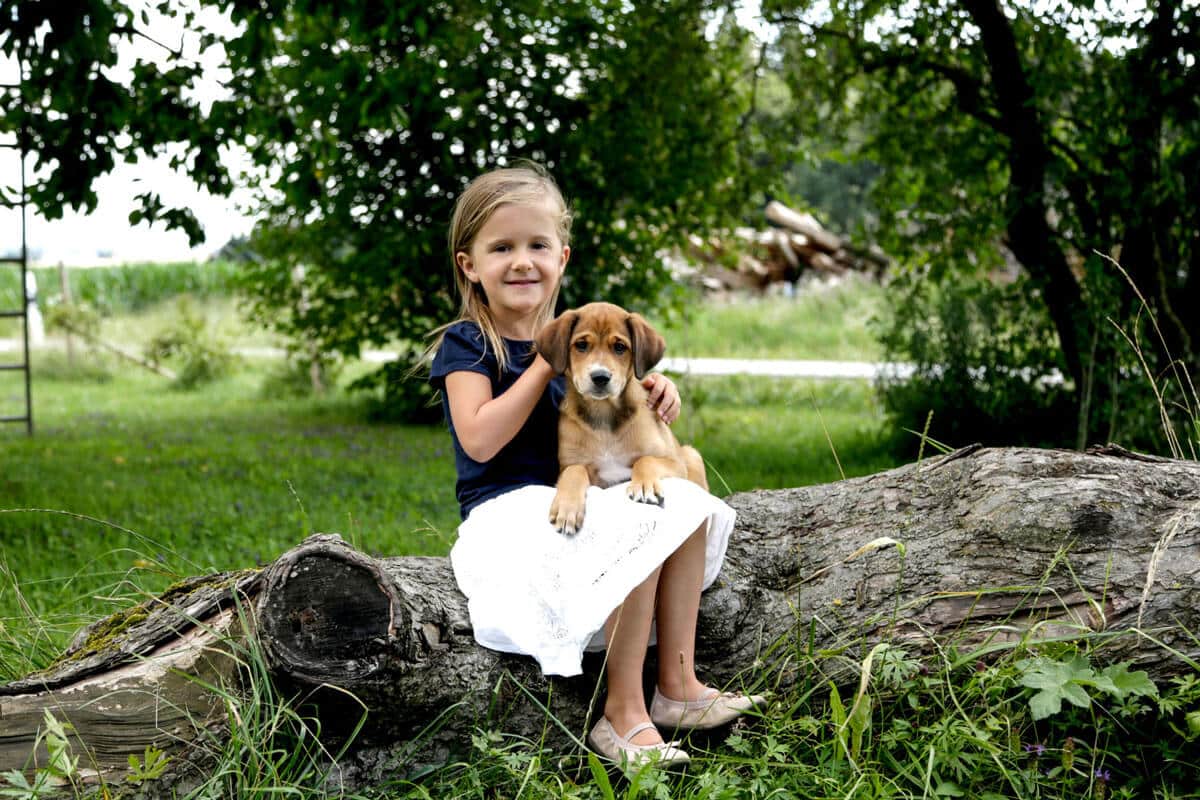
(981, 548)
(1030, 236)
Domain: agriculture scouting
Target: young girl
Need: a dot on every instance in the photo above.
(531, 590)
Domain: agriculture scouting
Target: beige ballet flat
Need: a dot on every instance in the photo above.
(712, 710)
(605, 741)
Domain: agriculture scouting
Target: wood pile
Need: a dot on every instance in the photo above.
(795, 244)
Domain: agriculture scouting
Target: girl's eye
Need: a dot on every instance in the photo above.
(619, 348)
(581, 345)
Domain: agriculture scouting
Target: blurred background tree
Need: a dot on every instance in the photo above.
(1026, 143)
(365, 120)
(373, 117)
(79, 116)
(1009, 157)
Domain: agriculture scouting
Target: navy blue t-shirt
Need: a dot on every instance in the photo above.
(532, 455)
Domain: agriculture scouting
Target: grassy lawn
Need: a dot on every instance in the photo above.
(143, 484)
(821, 323)
(136, 484)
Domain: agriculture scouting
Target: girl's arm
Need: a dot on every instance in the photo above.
(485, 424)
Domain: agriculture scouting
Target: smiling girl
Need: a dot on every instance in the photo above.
(531, 590)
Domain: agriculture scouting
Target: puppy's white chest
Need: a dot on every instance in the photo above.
(612, 467)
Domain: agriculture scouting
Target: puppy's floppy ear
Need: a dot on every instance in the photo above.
(553, 343)
(648, 345)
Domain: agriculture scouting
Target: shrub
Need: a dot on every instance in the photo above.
(986, 366)
(203, 356)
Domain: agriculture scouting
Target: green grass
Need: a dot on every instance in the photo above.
(821, 323)
(143, 483)
(139, 484)
(760, 433)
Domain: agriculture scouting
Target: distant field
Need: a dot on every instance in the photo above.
(821, 322)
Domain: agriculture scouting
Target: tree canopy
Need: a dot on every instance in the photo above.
(365, 120)
(1066, 132)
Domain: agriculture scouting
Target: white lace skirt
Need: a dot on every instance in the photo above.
(533, 591)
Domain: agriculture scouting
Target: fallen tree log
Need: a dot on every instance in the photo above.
(981, 547)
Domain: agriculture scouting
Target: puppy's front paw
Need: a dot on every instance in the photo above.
(645, 491)
(566, 513)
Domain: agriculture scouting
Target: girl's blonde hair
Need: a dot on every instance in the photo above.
(528, 184)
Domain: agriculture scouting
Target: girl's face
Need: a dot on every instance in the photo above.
(518, 259)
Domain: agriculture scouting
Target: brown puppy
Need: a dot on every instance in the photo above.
(606, 432)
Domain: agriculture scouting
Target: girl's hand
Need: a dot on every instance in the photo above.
(663, 398)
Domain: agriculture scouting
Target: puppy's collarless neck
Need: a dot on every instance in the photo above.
(608, 414)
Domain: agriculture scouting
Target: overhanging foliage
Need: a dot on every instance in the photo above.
(364, 121)
(1066, 132)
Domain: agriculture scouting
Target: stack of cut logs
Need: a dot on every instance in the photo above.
(759, 259)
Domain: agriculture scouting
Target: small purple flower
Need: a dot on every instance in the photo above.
(1103, 775)
(1037, 749)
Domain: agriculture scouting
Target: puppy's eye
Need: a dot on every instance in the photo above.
(581, 345)
(619, 348)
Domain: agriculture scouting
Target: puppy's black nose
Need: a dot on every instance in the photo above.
(601, 379)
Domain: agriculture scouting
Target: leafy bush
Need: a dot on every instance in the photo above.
(986, 366)
(301, 374)
(203, 355)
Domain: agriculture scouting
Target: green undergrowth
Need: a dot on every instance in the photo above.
(1039, 710)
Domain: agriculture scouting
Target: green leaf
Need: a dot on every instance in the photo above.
(1193, 723)
(1044, 704)
(1076, 695)
(1057, 681)
(600, 775)
(15, 778)
(1127, 683)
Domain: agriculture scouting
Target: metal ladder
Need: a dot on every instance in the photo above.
(22, 261)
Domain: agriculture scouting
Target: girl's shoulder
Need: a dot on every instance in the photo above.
(464, 330)
(463, 347)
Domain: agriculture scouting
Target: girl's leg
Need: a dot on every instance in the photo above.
(628, 634)
(679, 582)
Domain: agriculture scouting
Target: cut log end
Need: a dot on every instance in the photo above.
(328, 613)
